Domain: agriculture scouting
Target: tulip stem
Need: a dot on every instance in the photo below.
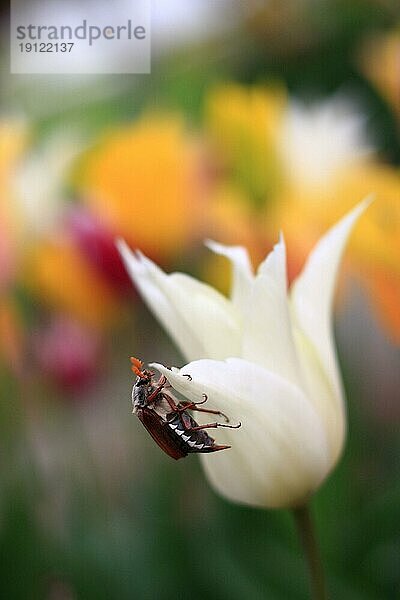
(305, 527)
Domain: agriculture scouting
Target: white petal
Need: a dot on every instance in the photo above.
(279, 456)
(312, 294)
(157, 301)
(242, 270)
(274, 265)
(201, 321)
(321, 393)
(267, 335)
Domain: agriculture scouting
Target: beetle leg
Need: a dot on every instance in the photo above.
(162, 381)
(214, 426)
(189, 377)
(205, 398)
(172, 404)
(185, 419)
(212, 412)
(193, 406)
(160, 385)
(166, 382)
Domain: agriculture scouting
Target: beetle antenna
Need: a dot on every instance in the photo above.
(137, 366)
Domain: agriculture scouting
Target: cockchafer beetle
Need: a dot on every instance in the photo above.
(167, 419)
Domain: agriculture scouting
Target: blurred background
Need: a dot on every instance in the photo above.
(257, 116)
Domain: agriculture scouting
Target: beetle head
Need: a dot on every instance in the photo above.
(142, 385)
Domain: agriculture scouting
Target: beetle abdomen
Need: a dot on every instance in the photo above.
(196, 440)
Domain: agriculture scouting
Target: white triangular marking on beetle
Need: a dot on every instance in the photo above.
(199, 446)
(186, 437)
(173, 426)
(179, 432)
(192, 443)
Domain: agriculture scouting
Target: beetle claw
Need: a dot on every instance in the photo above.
(230, 426)
(205, 398)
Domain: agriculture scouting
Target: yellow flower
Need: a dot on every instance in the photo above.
(243, 125)
(13, 141)
(147, 181)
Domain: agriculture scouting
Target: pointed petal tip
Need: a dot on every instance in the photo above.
(121, 245)
(361, 207)
(239, 259)
(280, 245)
(313, 291)
(141, 258)
(343, 228)
(275, 263)
(125, 252)
(134, 260)
(219, 248)
(209, 243)
(368, 200)
(166, 370)
(145, 263)
(214, 246)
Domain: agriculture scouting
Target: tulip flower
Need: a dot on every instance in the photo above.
(266, 357)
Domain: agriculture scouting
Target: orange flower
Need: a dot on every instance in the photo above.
(146, 181)
(58, 274)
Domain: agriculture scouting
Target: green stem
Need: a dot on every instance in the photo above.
(306, 532)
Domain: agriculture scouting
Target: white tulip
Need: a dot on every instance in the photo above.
(318, 141)
(267, 358)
